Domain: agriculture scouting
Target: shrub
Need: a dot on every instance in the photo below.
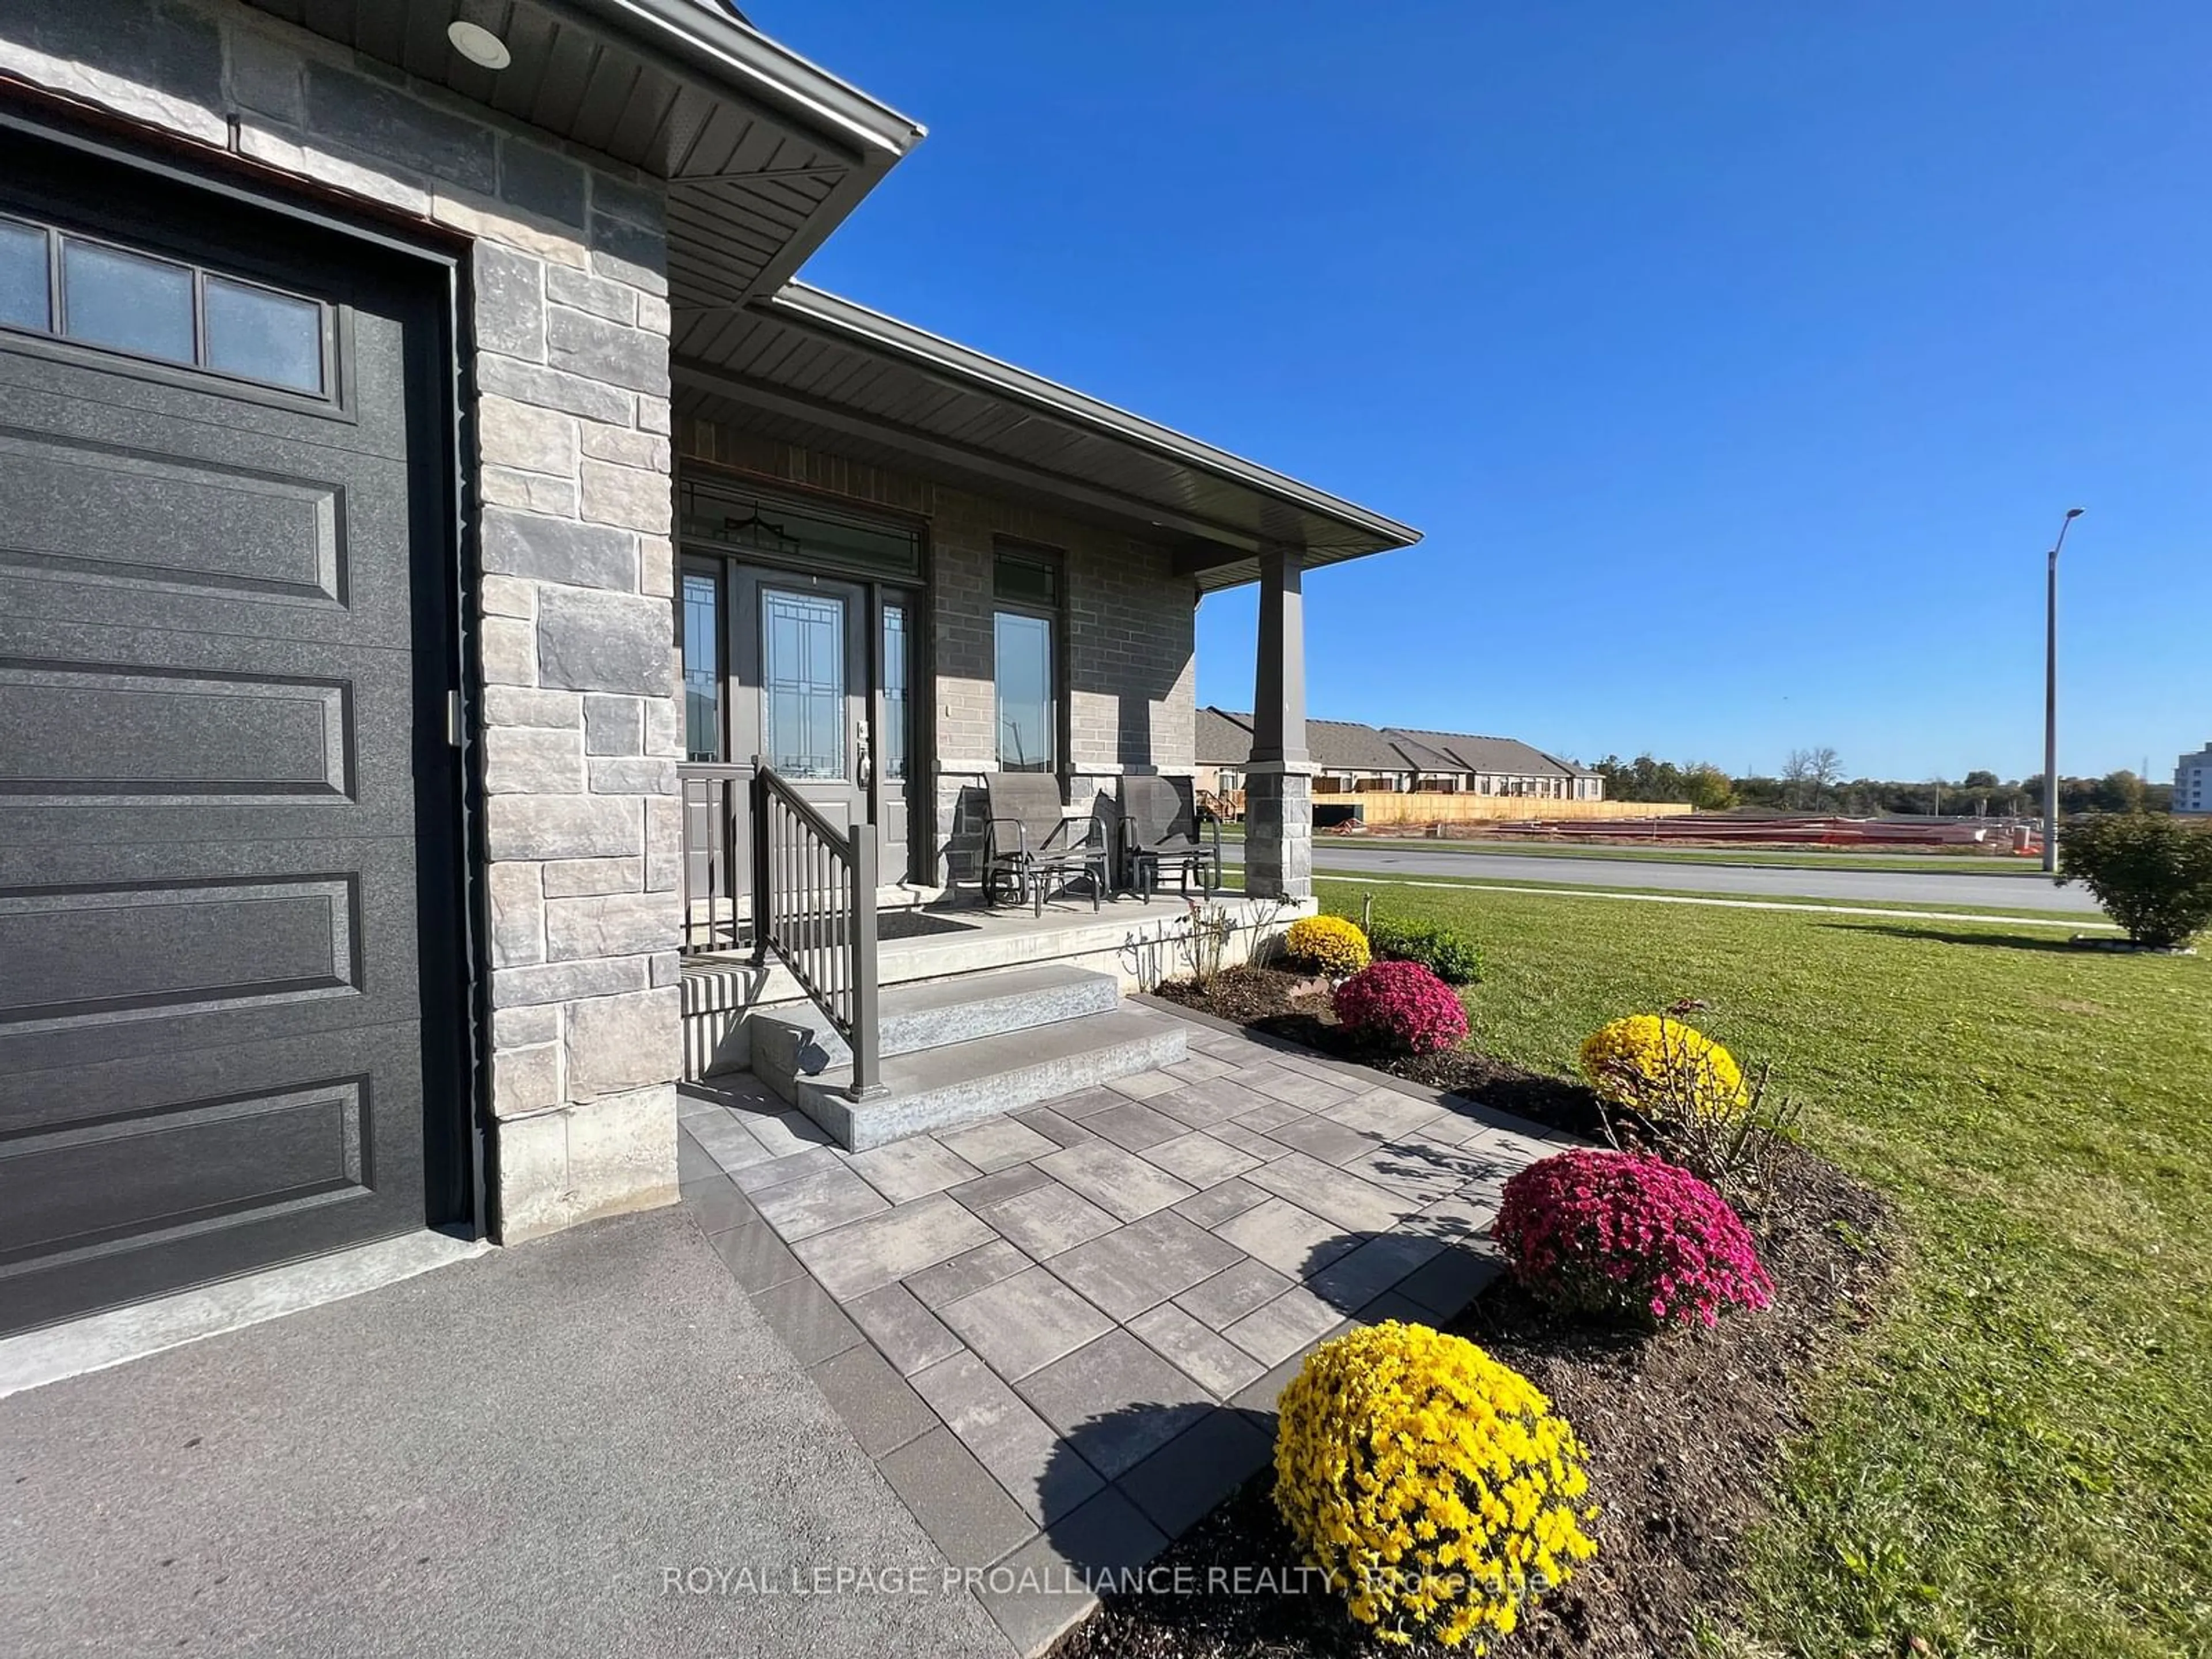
(1738, 1152)
(1613, 1233)
(1435, 1487)
(1452, 958)
(2152, 872)
(1328, 945)
(1663, 1068)
(1402, 1003)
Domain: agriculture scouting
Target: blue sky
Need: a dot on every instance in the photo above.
(1738, 360)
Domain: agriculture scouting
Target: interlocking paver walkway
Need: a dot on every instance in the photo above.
(1061, 1334)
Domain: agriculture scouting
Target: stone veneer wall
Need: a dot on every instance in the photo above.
(570, 323)
(1131, 645)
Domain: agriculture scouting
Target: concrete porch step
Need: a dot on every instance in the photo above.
(798, 1043)
(984, 1076)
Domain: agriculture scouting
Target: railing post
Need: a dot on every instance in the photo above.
(690, 897)
(867, 1065)
(757, 789)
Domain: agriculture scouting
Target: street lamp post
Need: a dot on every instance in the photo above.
(2051, 697)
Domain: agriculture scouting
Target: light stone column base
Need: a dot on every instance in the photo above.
(583, 1162)
(1278, 830)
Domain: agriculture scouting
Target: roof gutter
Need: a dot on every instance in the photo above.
(946, 359)
(711, 46)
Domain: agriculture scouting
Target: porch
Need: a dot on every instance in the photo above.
(868, 689)
(905, 572)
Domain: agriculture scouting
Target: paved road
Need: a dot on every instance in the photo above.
(2025, 891)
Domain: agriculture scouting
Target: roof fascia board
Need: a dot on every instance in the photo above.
(953, 363)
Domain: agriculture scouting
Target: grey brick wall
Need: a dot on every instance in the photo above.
(1130, 645)
(570, 326)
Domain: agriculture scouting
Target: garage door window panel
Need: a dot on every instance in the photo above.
(126, 301)
(258, 334)
(97, 293)
(25, 279)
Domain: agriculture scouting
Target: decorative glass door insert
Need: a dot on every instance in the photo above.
(803, 654)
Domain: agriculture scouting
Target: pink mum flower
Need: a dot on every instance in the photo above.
(1619, 1233)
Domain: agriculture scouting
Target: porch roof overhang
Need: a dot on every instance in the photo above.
(764, 153)
(808, 367)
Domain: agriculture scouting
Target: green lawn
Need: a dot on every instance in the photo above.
(2087, 921)
(2018, 1459)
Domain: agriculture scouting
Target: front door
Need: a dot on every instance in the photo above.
(812, 672)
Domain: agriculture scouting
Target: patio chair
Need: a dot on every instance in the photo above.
(1160, 832)
(1031, 845)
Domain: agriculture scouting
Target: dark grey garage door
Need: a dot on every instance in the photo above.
(228, 996)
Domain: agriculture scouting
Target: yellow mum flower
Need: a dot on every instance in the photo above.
(1328, 944)
(1429, 1482)
(1662, 1066)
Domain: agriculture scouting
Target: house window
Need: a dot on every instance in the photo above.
(1026, 579)
(1027, 588)
(53, 282)
(1026, 715)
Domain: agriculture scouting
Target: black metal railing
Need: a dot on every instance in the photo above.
(814, 905)
(715, 918)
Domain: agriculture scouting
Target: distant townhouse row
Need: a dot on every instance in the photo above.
(1349, 758)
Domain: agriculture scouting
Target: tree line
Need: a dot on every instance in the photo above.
(1813, 780)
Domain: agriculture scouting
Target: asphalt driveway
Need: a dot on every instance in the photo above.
(591, 1446)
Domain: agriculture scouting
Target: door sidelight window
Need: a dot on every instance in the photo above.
(895, 705)
(702, 667)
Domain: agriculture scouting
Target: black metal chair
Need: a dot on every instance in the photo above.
(1031, 845)
(1160, 824)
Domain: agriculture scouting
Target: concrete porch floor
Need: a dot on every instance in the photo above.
(1061, 1334)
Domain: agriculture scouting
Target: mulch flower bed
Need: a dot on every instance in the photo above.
(1681, 1429)
(1295, 1008)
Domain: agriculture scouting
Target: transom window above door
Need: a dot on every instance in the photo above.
(710, 510)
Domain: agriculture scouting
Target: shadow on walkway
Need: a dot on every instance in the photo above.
(1124, 1486)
